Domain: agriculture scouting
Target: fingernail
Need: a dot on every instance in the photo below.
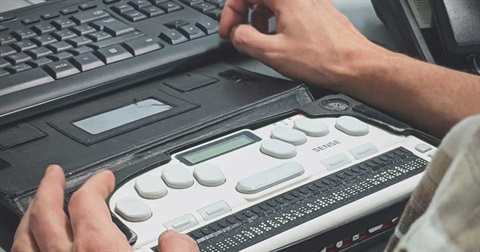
(51, 169)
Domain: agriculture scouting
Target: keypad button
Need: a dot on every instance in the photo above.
(191, 31)
(44, 40)
(134, 16)
(209, 175)
(133, 210)
(59, 46)
(22, 34)
(336, 161)
(6, 39)
(24, 45)
(352, 126)
(4, 63)
(83, 30)
(169, 6)
(208, 27)
(202, 6)
(150, 187)
(269, 178)
(152, 11)
(311, 127)
(177, 177)
(99, 36)
(214, 13)
(216, 209)
(181, 223)
(122, 8)
(60, 56)
(138, 4)
(79, 41)
(6, 50)
(278, 149)
(363, 151)
(43, 28)
(64, 35)
(19, 68)
(288, 135)
(173, 37)
(422, 148)
(40, 52)
(40, 62)
(113, 26)
(18, 58)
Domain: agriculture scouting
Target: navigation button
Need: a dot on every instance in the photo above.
(363, 151)
(216, 209)
(181, 223)
(311, 127)
(351, 126)
(132, 209)
(336, 161)
(209, 175)
(288, 135)
(177, 177)
(278, 149)
(422, 148)
(173, 37)
(270, 178)
(150, 187)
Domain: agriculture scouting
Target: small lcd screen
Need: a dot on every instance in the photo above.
(219, 148)
(122, 116)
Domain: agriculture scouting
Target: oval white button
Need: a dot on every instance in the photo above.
(209, 175)
(288, 135)
(278, 149)
(150, 187)
(351, 126)
(132, 209)
(311, 127)
(177, 176)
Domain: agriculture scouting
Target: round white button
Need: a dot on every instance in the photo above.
(311, 127)
(209, 175)
(288, 135)
(278, 149)
(150, 187)
(132, 209)
(177, 176)
(351, 126)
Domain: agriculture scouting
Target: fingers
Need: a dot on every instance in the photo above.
(89, 213)
(24, 239)
(260, 18)
(247, 39)
(47, 219)
(232, 15)
(173, 241)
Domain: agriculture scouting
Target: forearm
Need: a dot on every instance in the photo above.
(429, 97)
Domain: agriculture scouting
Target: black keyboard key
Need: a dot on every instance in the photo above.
(62, 23)
(79, 41)
(99, 36)
(208, 27)
(30, 20)
(113, 54)
(18, 58)
(50, 15)
(152, 11)
(64, 34)
(5, 17)
(173, 37)
(19, 68)
(4, 63)
(122, 8)
(3, 72)
(219, 3)
(191, 2)
(23, 45)
(176, 24)
(134, 16)
(142, 45)
(43, 28)
(44, 40)
(83, 30)
(214, 13)
(60, 56)
(6, 50)
(191, 31)
(89, 16)
(39, 52)
(203, 6)
(6, 39)
(3, 27)
(87, 6)
(113, 27)
(59, 47)
(61, 69)
(86, 62)
(117, 40)
(40, 62)
(110, 1)
(80, 50)
(69, 10)
(23, 80)
(24, 33)
(139, 4)
(169, 6)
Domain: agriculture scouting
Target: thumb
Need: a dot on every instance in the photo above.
(172, 241)
(249, 40)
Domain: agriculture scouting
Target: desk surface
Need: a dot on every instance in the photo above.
(360, 12)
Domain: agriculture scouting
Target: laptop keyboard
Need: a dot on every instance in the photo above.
(44, 52)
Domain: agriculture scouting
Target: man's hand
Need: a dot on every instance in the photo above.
(314, 41)
(46, 227)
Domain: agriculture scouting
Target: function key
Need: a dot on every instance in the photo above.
(69, 10)
(169, 6)
(89, 16)
(87, 6)
(21, 34)
(134, 16)
(50, 15)
(6, 17)
(110, 1)
(121, 8)
(62, 23)
(138, 4)
(31, 20)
